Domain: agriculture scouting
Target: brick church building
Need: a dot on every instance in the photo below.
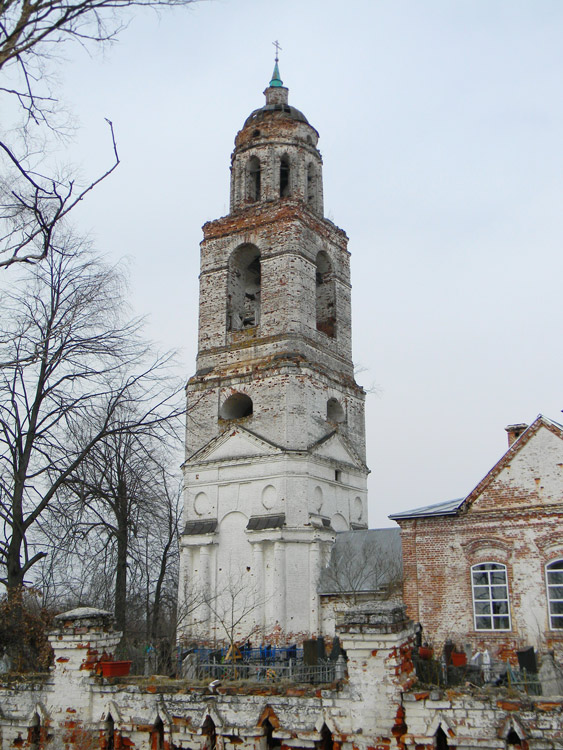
(487, 570)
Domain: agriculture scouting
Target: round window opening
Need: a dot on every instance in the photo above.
(237, 406)
(334, 411)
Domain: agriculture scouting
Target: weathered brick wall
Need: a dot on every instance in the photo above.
(289, 405)
(482, 720)
(378, 707)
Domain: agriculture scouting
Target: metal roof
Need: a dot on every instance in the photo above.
(203, 526)
(448, 508)
(258, 523)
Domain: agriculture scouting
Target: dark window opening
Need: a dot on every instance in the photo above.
(326, 742)
(441, 739)
(337, 475)
(513, 740)
(109, 733)
(325, 296)
(209, 731)
(237, 406)
(254, 186)
(157, 735)
(272, 743)
(284, 177)
(34, 733)
(244, 289)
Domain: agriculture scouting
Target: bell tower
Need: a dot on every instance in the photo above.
(275, 439)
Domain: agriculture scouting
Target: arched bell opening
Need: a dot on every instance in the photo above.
(253, 180)
(244, 288)
(237, 406)
(334, 411)
(325, 296)
(311, 185)
(285, 184)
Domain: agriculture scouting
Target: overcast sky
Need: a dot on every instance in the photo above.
(441, 132)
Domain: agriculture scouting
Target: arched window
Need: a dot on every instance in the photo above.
(554, 581)
(325, 302)
(285, 187)
(244, 288)
(237, 406)
(253, 179)
(490, 596)
(334, 411)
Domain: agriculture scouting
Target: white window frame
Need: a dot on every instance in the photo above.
(489, 596)
(550, 584)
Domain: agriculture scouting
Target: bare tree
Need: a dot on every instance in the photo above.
(34, 199)
(33, 205)
(364, 562)
(33, 31)
(165, 541)
(74, 374)
(229, 608)
(120, 494)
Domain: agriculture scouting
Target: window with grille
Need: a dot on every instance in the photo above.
(490, 597)
(554, 579)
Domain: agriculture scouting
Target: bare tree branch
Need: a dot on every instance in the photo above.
(80, 383)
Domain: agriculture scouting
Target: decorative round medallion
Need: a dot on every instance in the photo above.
(358, 508)
(201, 503)
(317, 499)
(269, 497)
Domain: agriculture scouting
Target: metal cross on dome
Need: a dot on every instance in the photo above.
(278, 48)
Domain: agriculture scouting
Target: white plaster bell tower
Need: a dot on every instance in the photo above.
(275, 444)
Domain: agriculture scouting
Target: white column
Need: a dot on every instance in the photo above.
(259, 594)
(314, 599)
(279, 584)
(204, 582)
(185, 585)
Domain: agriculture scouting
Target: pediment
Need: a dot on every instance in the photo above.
(529, 473)
(336, 448)
(233, 443)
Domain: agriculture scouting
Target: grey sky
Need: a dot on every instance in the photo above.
(441, 130)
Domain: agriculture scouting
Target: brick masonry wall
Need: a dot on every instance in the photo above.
(378, 707)
(514, 518)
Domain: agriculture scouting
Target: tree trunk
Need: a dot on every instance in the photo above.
(121, 567)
